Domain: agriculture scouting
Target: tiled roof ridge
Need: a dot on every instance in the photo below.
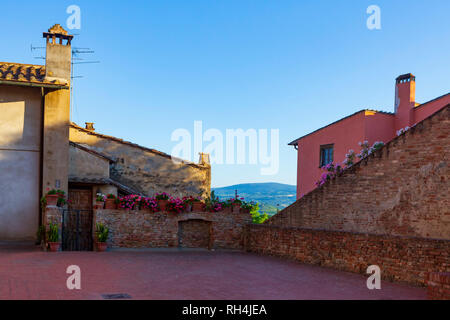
(12, 73)
(162, 154)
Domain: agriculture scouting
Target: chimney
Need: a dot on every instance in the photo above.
(405, 96)
(204, 159)
(59, 54)
(90, 126)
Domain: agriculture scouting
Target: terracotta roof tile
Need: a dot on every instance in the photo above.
(17, 73)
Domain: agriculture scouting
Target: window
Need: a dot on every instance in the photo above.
(326, 155)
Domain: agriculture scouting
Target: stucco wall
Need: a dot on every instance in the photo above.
(400, 190)
(20, 139)
(83, 164)
(147, 171)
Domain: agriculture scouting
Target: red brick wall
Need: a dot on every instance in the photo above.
(144, 229)
(194, 234)
(400, 190)
(405, 259)
(439, 286)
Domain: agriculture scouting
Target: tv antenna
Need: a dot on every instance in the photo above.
(76, 56)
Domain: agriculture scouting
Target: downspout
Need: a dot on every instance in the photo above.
(41, 156)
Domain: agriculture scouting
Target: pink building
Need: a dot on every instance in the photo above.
(332, 142)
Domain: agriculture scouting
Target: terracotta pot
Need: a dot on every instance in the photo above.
(246, 211)
(197, 206)
(236, 207)
(101, 246)
(99, 204)
(163, 204)
(54, 246)
(110, 204)
(52, 200)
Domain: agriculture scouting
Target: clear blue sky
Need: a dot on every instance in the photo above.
(288, 65)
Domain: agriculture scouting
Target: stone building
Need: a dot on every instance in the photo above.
(36, 155)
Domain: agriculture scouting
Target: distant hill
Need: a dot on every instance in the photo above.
(268, 195)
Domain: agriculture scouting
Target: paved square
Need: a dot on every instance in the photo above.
(28, 273)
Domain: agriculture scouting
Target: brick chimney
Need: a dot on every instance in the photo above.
(59, 54)
(405, 100)
(90, 126)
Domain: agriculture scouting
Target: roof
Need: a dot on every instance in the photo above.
(159, 153)
(110, 181)
(86, 148)
(432, 100)
(27, 75)
(293, 143)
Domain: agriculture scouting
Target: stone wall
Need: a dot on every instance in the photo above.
(145, 229)
(146, 170)
(83, 164)
(400, 190)
(405, 259)
(439, 286)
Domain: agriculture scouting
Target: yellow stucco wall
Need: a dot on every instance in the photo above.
(20, 143)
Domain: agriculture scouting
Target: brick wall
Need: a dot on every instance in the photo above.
(439, 286)
(400, 190)
(405, 259)
(144, 229)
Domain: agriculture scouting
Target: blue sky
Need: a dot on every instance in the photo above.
(288, 65)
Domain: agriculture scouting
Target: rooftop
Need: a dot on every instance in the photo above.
(27, 75)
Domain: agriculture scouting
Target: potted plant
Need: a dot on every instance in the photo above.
(163, 200)
(197, 205)
(100, 201)
(53, 237)
(175, 205)
(102, 234)
(110, 202)
(54, 197)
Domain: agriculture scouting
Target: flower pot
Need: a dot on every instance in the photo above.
(101, 246)
(236, 207)
(99, 204)
(110, 204)
(246, 211)
(163, 204)
(52, 200)
(197, 206)
(54, 246)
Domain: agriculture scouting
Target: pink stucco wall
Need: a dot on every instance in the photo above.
(345, 135)
(364, 125)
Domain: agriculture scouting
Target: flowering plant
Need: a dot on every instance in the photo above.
(190, 200)
(129, 202)
(148, 203)
(402, 131)
(350, 158)
(110, 196)
(330, 171)
(162, 196)
(176, 205)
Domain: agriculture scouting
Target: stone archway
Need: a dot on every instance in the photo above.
(194, 233)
